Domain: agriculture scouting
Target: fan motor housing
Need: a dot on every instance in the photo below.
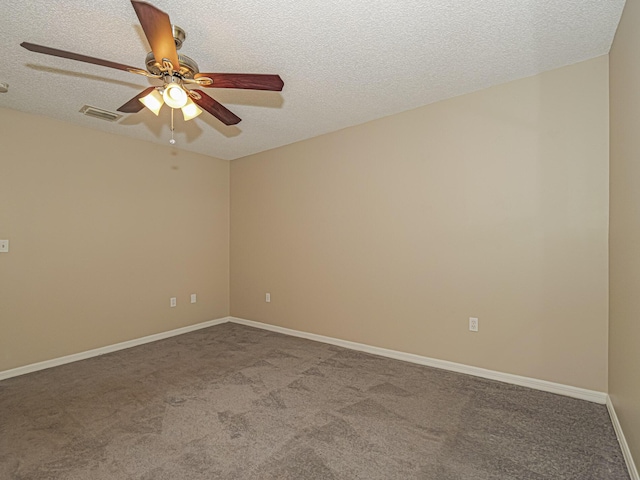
(188, 66)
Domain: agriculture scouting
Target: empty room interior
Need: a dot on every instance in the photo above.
(415, 257)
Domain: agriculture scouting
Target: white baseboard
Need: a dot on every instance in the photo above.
(631, 466)
(558, 388)
(34, 367)
(567, 390)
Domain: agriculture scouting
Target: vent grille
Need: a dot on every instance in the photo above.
(95, 112)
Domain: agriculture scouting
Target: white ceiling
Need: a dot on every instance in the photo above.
(343, 62)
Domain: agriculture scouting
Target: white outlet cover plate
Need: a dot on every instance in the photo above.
(193, 298)
(4, 246)
(473, 324)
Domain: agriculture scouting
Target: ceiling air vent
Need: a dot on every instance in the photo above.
(99, 113)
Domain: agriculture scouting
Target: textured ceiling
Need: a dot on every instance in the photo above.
(342, 62)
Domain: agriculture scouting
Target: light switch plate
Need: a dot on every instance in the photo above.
(4, 246)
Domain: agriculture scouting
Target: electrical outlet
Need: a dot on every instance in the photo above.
(4, 246)
(473, 324)
(173, 302)
(193, 298)
(267, 298)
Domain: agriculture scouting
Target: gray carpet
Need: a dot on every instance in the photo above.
(233, 402)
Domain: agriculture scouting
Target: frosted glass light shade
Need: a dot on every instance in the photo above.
(190, 110)
(175, 96)
(153, 101)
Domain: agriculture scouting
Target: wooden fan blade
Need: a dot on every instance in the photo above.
(157, 28)
(216, 109)
(75, 56)
(248, 81)
(135, 105)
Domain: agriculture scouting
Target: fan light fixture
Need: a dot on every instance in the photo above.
(190, 110)
(153, 102)
(175, 96)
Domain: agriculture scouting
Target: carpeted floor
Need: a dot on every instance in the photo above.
(233, 402)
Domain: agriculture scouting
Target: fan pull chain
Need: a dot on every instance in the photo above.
(172, 141)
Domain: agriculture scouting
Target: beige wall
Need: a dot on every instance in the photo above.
(624, 312)
(103, 230)
(395, 232)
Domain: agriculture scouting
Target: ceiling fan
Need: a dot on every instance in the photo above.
(177, 72)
